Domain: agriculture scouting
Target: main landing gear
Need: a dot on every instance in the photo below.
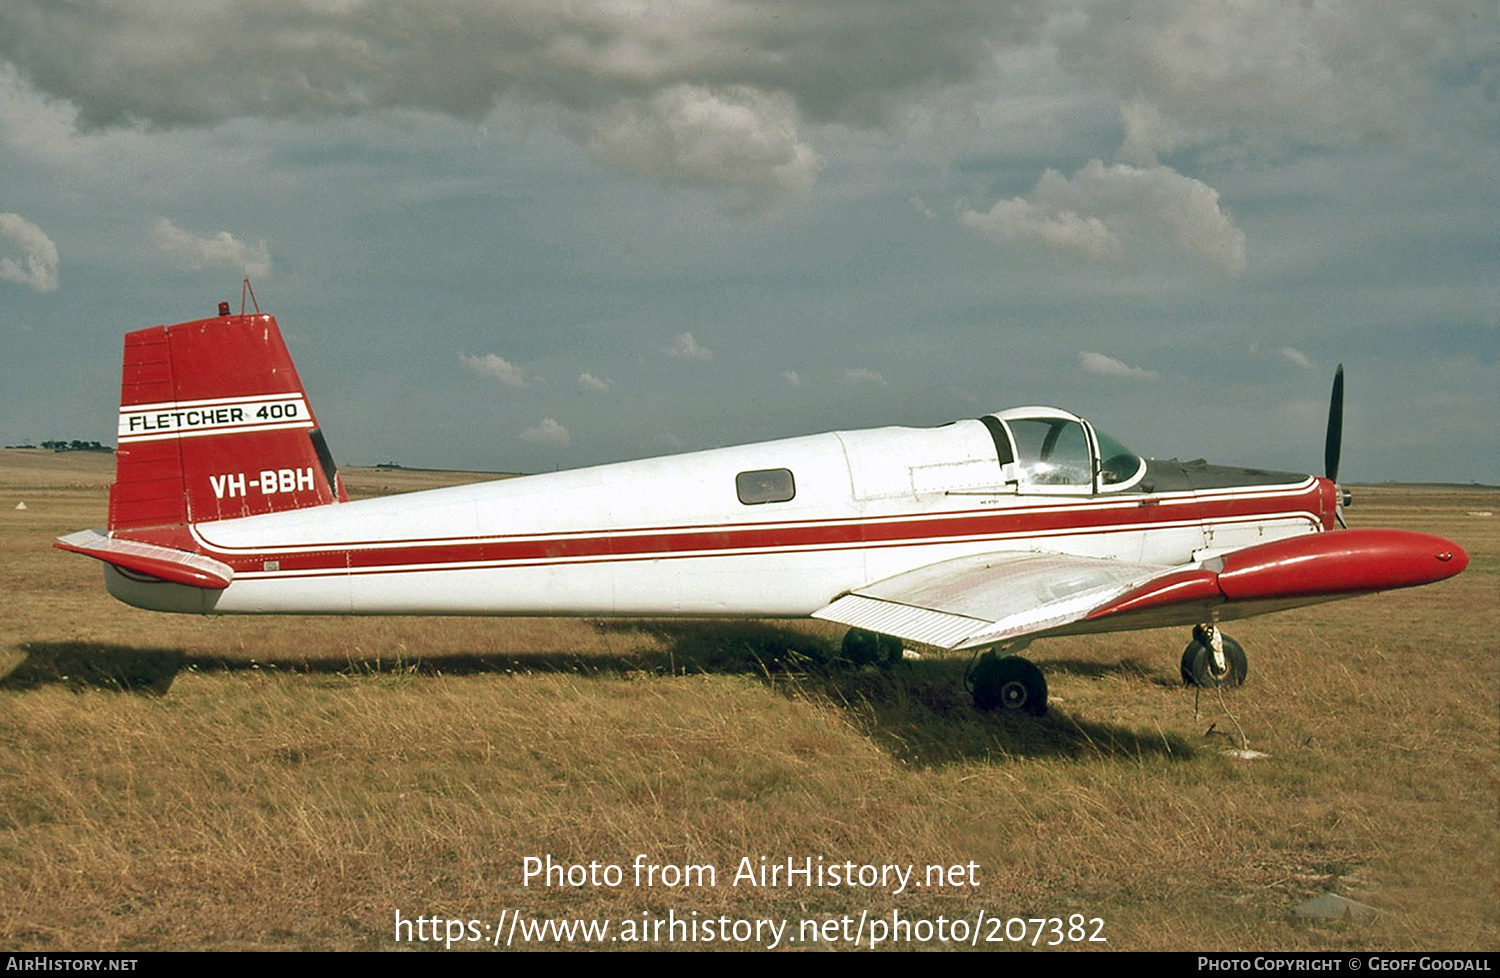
(1008, 683)
(1013, 684)
(1213, 659)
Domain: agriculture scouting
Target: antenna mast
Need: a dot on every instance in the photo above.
(245, 289)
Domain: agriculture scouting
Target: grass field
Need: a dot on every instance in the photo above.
(230, 783)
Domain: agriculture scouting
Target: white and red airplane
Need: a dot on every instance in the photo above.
(979, 534)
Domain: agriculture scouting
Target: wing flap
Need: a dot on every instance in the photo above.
(924, 625)
(163, 563)
(979, 600)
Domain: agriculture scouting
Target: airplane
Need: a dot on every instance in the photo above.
(980, 535)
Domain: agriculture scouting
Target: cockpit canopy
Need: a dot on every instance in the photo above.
(1045, 450)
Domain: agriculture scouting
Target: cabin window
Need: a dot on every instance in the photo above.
(765, 486)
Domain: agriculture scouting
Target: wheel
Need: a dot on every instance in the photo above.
(1012, 684)
(1198, 664)
(863, 647)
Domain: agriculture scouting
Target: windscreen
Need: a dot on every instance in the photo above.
(1119, 466)
(1052, 452)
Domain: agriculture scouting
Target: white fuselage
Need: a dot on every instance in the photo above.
(671, 536)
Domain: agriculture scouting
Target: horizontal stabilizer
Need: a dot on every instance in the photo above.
(163, 563)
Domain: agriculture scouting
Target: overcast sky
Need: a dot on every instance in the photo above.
(524, 234)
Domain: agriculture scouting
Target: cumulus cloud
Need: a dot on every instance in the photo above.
(589, 382)
(1018, 219)
(28, 121)
(38, 264)
(496, 366)
(737, 136)
(1098, 363)
(221, 250)
(685, 347)
(316, 57)
(920, 206)
(1147, 133)
(715, 86)
(1273, 74)
(1295, 356)
(1101, 208)
(862, 375)
(548, 432)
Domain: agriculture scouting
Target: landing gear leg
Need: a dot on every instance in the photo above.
(1011, 683)
(1213, 659)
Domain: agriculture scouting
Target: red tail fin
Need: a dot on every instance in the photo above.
(214, 424)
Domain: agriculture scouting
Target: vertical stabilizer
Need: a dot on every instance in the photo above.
(214, 424)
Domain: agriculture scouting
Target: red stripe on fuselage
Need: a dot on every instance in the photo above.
(1186, 510)
(642, 543)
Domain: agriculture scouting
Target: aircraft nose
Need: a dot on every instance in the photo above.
(1427, 558)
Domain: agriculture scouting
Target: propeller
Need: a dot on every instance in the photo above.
(1333, 444)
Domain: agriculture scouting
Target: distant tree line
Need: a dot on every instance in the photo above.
(69, 446)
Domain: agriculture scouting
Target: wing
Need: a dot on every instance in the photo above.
(971, 602)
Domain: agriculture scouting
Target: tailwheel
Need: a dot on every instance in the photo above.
(1202, 667)
(1012, 684)
(863, 647)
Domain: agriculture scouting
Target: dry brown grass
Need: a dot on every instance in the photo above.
(171, 783)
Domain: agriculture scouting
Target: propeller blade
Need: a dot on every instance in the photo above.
(1333, 444)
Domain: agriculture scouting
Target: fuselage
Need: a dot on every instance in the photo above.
(777, 528)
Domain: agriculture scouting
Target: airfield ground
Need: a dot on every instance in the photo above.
(231, 783)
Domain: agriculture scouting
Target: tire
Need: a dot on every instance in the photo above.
(1011, 684)
(1198, 662)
